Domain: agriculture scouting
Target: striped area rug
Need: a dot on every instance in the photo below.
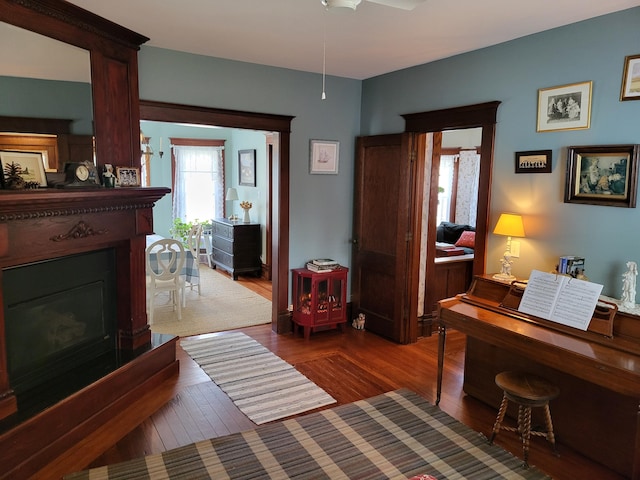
(392, 436)
(262, 385)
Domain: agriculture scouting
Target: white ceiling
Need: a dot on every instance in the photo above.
(373, 40)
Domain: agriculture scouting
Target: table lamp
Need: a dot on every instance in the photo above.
(510, 225)
(232, 195)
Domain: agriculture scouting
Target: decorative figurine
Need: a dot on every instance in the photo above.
(108, 177)
(506, 264)
(358, 323)
(629, 285)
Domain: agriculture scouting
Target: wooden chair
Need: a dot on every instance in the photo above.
(527, 391)
(165, 260)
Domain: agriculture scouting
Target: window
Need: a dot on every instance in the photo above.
(198, 183)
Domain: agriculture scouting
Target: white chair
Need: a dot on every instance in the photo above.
(193, 244)
(206, 240)
(165, 261)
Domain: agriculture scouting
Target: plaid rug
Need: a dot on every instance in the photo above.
(392, 436)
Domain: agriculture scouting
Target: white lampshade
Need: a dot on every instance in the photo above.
(232, 194)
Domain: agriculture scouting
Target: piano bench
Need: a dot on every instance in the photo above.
(527, 391)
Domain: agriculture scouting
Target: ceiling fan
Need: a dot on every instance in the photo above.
(352, 4)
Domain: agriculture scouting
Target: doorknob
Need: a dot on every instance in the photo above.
(354, 241)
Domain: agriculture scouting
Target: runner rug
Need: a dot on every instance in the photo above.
(262, 385)
(396, 436)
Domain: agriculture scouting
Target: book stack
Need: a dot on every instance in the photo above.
(322, 265)
(448, 250)
(571, 265)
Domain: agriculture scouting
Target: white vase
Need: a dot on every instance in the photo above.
(246, 218)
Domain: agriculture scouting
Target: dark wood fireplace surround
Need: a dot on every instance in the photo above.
(37, 225)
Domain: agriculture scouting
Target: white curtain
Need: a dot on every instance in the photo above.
(468, 181)
(445, 184)
(199, 183)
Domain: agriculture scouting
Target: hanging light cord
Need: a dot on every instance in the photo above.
(324, 57)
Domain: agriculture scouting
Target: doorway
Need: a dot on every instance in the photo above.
(278, 228)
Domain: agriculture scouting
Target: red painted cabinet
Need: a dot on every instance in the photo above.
(319, 299)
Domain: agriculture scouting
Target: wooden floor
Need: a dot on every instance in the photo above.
(350, 366)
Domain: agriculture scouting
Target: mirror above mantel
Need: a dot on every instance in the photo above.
(106, 79)
(44, 78)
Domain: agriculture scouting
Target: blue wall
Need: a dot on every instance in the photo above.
(320, 224)
(512, 73)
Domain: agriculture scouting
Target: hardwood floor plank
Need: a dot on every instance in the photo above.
(349, 366)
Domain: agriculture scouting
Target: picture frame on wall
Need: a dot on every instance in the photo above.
(247, 168)
(31, 165)
(631, 78)
(536, 161)
(602, 175)
(566, 107)
(324, 157)
(128, 176)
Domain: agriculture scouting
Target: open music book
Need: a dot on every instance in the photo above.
(559, 298)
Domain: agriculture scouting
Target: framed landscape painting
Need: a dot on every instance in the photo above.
(631, 78)
(29, 164)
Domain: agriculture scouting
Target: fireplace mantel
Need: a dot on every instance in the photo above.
(37, 225)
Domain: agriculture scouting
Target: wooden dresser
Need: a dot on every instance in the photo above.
(236, 247)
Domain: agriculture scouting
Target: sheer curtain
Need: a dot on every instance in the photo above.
(198, 183)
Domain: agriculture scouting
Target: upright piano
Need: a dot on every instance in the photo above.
(598, 370)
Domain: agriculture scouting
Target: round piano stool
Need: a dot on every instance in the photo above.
(527, 391)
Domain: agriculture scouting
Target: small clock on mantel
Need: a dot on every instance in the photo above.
(80, 174)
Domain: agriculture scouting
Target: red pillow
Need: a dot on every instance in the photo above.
(467, 239)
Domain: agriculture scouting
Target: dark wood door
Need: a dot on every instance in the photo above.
(380, 281)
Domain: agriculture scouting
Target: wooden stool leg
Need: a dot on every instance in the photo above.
(501, 412)
(549, 425)
(524, 426)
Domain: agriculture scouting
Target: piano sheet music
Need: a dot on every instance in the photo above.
(562, 299)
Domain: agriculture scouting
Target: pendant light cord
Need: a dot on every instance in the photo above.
(324, 56)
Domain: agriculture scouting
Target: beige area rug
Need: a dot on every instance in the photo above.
(223, 305)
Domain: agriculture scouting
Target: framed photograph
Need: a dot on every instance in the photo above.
(247, 168)
(538, 161)
(128, 176)
(567, 107)
(631, 78)
(27, 165)
(602, 175)
(324, 157)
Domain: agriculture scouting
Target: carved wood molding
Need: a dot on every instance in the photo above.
(79, 230)
(28, 215)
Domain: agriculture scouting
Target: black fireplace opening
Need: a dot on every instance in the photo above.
(60, 314)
